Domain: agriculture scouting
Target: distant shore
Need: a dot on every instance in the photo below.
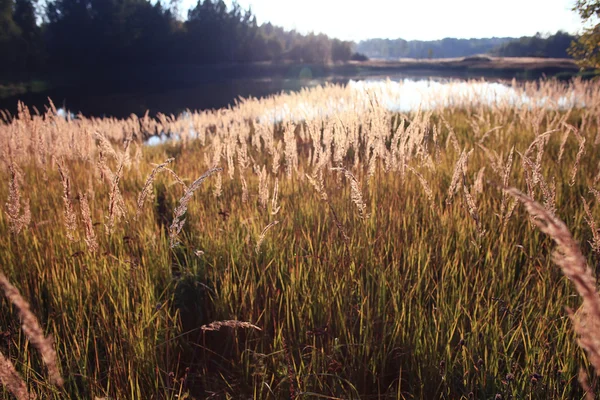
(480, 66)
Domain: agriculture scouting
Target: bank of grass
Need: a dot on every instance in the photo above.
(420, 296)
(8, 90)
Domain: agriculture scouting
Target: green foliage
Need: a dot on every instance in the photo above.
(587, 48)
(553, 46)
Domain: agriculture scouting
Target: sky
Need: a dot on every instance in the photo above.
(415, 19)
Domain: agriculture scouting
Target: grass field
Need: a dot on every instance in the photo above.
(342, 254)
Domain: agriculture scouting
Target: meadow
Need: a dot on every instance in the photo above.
(304, 246)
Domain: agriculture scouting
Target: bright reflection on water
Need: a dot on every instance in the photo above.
(400, 95)
(409, 95)
(405, 95)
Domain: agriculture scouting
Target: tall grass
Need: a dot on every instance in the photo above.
(352, 253)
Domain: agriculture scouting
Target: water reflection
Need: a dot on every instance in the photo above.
(399, 95)
(408, 95)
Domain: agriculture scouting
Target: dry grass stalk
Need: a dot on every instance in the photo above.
(596, 194)
(580, 152)
(103, 168)
(338, 224)
(176, 177)
(472, 208)
(317, 183)
(218, 189)
(230, 147)
(233, 324)
(244, 189)
(17, 220)
(574, 266)
(506, 211)
(597, 140)
(70, 216)
(451, 135)
(356, 194)
(486, 134)
(528, 168)
(372, 163)
(105, 146)
(10, 378)
(290, 150)
(263, 188)
(138, 156)
(275, 207)
(146, 190)
(459, 169)
(424, 184)
(478, 186)
(585, 384)
(589, 218)
(509, 212)
(534, 177)
(116, 204)
(181, 209)
(494, 159)
(86, 215)
(33, 330)
(276, 152)
(563, 142)
(597, 177)
(262, 235)
(540, 143)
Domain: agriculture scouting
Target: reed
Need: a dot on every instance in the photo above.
(375, 254)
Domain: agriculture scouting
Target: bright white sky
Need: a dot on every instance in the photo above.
(415, 19)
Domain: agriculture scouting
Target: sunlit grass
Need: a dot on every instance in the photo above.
(407, 297)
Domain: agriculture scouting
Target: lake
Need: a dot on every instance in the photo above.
(398, 93)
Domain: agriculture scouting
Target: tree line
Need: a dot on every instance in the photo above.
(444, 48)
(43, 35)
(553, 46)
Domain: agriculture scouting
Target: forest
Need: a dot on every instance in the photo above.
(554, 46)
(61, 35)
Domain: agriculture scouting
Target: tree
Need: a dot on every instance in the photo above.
(587, 48)
(97, 33)
(275, 48)
(316, 49)
(9, 36)
(30, 43)
(341, 51)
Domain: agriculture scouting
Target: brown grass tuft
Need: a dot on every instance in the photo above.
(234, 324)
